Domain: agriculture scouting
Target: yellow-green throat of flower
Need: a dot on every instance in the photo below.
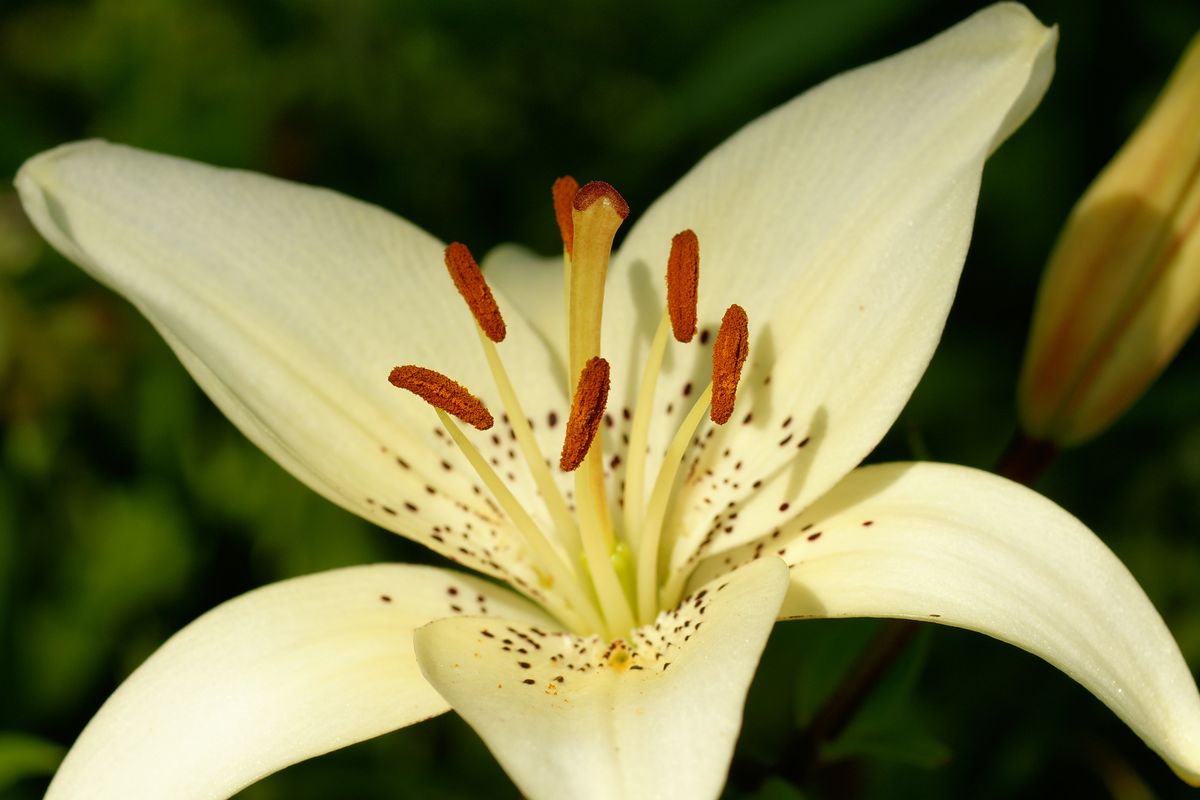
(612, 579)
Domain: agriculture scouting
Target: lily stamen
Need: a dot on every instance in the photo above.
(450, 397)
(579, 447)
(473, 287)
(465, 273)
(587, 410)
(729, 354)
(683, 282)
(443, 394)
(557, 576)
(564, 191)
(656, 510)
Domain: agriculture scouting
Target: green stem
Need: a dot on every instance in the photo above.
(1024, 460)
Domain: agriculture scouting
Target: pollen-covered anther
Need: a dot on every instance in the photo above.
(441, 392)
(729, 354)
(587, 411)
(599, 191)
(475, 290)
(564, 191)
(683, 281)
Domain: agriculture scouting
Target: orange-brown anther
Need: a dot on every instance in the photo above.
(475, 290)
(599, 190)
(442, 392)
(683, 281)
(729, 354)
(564, 191)
(587, 410)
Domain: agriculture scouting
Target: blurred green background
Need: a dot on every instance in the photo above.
(128, 505)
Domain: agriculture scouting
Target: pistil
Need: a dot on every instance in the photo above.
(597, 211)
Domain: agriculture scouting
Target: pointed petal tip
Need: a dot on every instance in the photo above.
(35, 167)
(947, 551)
(1188, 776)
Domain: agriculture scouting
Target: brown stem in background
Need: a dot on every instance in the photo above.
(1024, 460)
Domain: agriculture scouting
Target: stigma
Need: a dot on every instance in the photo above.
(598, 562)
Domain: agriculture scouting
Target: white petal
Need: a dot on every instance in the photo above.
(281, 674)
(840, 222)
(571, 717)
(966, 548)
(534, 286)
(290, 305)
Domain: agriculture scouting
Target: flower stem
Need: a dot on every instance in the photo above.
(1023, 460)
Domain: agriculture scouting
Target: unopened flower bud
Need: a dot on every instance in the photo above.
(1121, 293)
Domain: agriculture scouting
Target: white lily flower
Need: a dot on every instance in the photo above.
(652, 575)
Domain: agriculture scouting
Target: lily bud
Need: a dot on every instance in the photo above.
(1121, 293)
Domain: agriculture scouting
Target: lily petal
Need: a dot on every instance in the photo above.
(534, 285)
(656, 717)
(290, 305)
(840, 222)
(273, 677)
(961, 547)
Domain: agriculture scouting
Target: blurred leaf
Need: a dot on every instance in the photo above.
(23, 756)
(899, 743)
(778, 789)
(832, 650)
(763, 48)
